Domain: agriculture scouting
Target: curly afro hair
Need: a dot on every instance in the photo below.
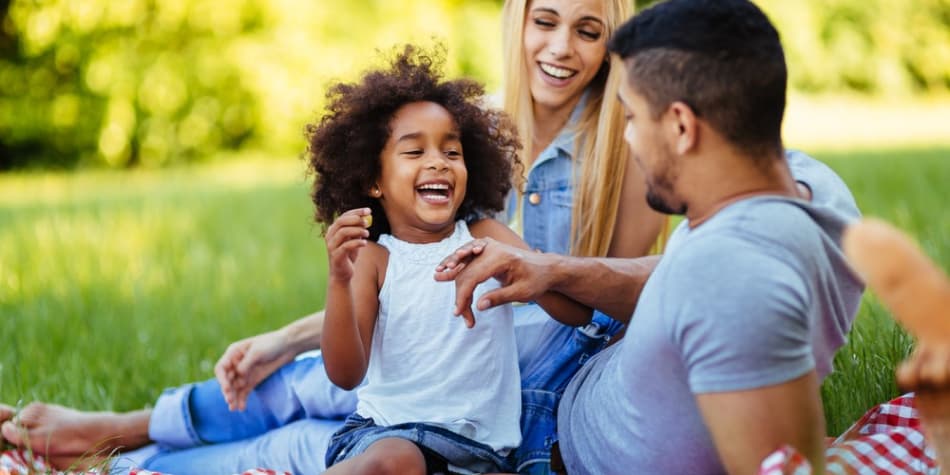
(345, 145)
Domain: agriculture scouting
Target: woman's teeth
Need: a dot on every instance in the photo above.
(560, 73)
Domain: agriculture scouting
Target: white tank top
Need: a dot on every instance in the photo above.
(425, 365)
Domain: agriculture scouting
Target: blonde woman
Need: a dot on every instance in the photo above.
(579, 197)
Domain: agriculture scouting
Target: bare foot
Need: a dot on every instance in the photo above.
(67, 435)
(6, 413)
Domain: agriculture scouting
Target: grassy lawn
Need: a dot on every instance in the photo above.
(114, 285)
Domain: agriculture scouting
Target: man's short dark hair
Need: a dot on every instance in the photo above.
(723, 58)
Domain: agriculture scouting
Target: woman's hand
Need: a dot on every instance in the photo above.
(344, 238)
(248, 362)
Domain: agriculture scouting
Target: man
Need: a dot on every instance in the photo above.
(731, 331)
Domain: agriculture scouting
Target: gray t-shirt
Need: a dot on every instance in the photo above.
(758, 295)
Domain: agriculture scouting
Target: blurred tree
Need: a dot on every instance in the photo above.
(148, 82)
(880, 47)
(124, 83)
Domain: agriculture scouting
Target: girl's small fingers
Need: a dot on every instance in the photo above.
(347, 249)
(353, 217)
(356, 212)
(447, 274)
(344, 235)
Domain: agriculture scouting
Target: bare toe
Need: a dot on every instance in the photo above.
(6, 412)
(8, 433)
(46, 429)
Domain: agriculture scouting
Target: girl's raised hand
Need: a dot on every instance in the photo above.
(344, 239)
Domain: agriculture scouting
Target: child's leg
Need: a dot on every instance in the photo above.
(391, 456)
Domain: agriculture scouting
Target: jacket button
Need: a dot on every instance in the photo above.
(534, 198)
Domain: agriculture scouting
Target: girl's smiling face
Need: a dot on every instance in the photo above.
(565, 43)
(423, 177)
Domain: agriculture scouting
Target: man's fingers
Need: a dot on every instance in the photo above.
(468, 316)
(502, 295)
(464, 290)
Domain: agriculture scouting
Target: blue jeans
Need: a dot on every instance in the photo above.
(358, 433)
(292, 415)
(543, 380)
(287, 425)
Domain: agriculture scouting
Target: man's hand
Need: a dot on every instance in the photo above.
(248, 362)
(524, 275)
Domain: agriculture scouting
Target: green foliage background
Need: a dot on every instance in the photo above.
(147, 82)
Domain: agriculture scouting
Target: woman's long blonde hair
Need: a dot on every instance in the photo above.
(597, 193)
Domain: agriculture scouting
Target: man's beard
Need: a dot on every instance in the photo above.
(661, 205)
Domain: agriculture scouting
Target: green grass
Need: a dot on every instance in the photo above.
(114, 285)
(909, 189)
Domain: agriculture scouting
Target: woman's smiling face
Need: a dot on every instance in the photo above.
(565, 44)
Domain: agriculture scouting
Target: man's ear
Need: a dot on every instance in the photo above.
(682, 124)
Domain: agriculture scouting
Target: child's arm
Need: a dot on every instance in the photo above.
(561, 308)
(352, 298)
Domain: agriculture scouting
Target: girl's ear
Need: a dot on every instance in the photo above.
(375, 192)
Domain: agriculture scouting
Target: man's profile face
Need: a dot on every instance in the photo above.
(650, 148)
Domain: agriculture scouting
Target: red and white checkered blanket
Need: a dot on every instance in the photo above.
(888, 439)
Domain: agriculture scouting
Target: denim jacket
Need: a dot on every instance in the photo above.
(549, 193)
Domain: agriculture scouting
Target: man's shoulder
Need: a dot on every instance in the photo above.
(763, 240)
(753, 223)
(764, 222)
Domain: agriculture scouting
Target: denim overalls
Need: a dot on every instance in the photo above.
(549, 352)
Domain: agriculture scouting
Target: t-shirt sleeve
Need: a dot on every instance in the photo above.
(741, 319)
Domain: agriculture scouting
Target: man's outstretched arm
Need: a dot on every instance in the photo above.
(611, 285)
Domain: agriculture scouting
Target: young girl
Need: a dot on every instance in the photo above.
(406, 164)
